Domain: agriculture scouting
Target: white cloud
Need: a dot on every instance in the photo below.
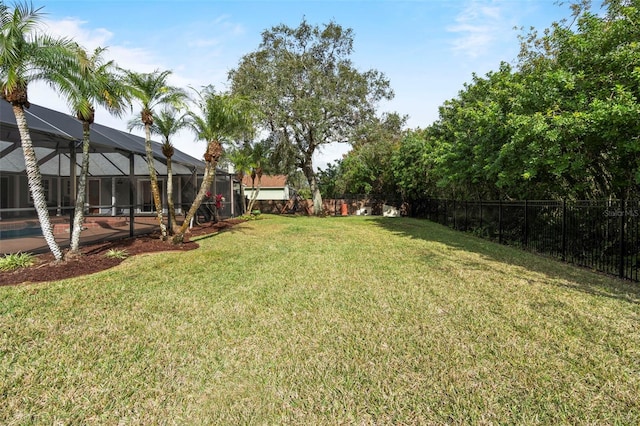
(228, 26)
(478, 26)
(76, 30)
(135, 58)
(204, 42)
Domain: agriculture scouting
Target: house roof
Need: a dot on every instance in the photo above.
(267, 181)
(55, 135)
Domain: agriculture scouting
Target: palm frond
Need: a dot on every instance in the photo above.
(27, 54)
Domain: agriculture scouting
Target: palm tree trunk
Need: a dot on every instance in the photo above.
(157, 200)
(35, 182)
(242, 197)
(254, 194)
(78, 216)
(209, 175)
(170, 203)
(211, 157)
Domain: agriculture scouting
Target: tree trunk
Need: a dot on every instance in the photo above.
(211, 157)
(157, 200)
(35, 182)
(254, 193)
(170, 203)
(307, 169)
(78, 216)
(209, 175)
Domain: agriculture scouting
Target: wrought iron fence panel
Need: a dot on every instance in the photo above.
(601, 235)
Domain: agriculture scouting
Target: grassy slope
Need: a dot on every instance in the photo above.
(336, 320)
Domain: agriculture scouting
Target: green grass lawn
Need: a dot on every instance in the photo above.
(356, 320)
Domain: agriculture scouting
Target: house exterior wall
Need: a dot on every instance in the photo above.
(269, 193)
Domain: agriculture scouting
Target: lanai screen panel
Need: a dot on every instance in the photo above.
(55, 135)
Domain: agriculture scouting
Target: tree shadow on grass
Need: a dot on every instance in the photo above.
(225, 229)
(562, 274)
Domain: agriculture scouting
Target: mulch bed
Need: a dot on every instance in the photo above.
(94, 259)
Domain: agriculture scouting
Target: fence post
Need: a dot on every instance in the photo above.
(526, 224)
(132, 188)
(73, 181)
(433, 207)
(446, 215)
(454, 215)
(564, 230)
(500, 221)
(445, 220)
(622, 223)
(466, 223)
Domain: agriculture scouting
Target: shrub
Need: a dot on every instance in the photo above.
(117, 254)
(9, 262)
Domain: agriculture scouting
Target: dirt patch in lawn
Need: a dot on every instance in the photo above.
(94, 256)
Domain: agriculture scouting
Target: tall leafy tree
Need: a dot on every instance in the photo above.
(579, 116)
(220, 118)
(366, 169)
(415, 165)
(309, 92)
(473, 129)
(152, 90)
(330, 180)
(166, 123)
(95, 81)
(563, 124)
(27, 55)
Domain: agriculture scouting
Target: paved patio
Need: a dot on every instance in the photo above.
(25, 236)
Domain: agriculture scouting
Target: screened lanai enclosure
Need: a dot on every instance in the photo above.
(119, 200)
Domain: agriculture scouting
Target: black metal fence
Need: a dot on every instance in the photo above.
(602, 235)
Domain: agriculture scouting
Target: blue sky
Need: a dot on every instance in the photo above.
(427, 48)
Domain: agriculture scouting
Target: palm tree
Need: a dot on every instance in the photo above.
(221, 116)
(95, 81)
(166, 123)
(242, 164)
(27, 56)
(151, 90)
(260, 161)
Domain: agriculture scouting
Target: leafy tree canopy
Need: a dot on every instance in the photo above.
(309, 92)
(562, 124)
(367, 168)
